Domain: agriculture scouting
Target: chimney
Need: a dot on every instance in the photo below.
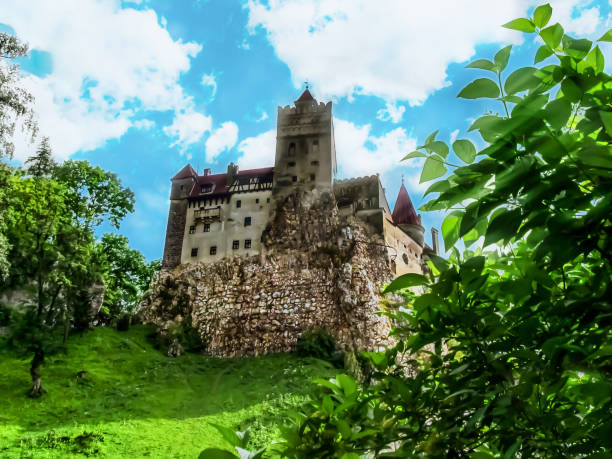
(206, 171)
(434, 240)
(232, 173)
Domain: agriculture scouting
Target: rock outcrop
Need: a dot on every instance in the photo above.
(317, 270)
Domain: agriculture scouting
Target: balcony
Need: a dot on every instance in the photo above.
(207, 215)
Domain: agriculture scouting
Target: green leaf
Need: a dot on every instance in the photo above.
(439, 147)
(576, 48)
(571, 90)
(414, 154)
(438, 187)
(606, 119)
(595, 60)
(541, 15)
(431, 137)
(543, 52)
(522, 79)
(450, 229)
(228, 434)
(483, 64)
(606, 36)
(503, 226)
(405, 281)
(552, 35)
(465, 150)
(521, 24)
(558, 112)
(482, 87)
(216, 453)
(348, 384)
(502, 56)
(433, 168)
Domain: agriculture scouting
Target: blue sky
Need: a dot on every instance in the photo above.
(142, 87)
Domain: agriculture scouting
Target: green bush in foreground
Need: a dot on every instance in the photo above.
(508, 352)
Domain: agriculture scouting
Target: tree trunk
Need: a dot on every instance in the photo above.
(35, 373)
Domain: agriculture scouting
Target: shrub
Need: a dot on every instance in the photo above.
(318, 343)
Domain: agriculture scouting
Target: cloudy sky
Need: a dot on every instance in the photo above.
(142, 87)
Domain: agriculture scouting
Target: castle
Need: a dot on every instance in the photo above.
(216, 216)
(255, 258)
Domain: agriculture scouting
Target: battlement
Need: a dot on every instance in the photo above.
(321, 107)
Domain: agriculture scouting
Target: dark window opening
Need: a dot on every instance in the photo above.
(238, 204)
(247, 221)
(314, 163)
(257, 201)
(206, 188)
(247, 243)
(315, 146)
(292, 149)
(235, 245)
(294, 178)
(191, 229)
(291, 163)
(194, 252)
(267, 199)
(312, 177)
(207, 227)
(213, 250)
(182, 186)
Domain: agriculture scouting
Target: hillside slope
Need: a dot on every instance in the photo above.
(136, 402)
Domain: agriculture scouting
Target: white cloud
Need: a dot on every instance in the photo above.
(188, 127)
(258, 151)
(453, 136)
(393, 49)
(361, 153)
(108, 62)
(264, 116)
(221, 139)
(392, 112)
(575, 17)
(210, 81)
(144, 124)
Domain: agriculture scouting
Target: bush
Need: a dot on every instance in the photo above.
(320, 344)
(5, 315)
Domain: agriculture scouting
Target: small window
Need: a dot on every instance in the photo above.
(257, 201)
(314, 163)
(291, 163)
(191, 229)
(315, 146)
(312, 177)
(206, 188)
(405, 258)
(238, 204)
(247, 243)
(267, 199)
(213, 250)
(292, 149)
(182, 187)
(294, 178)
(207, 227)
(247, 221)
(235, 245)
(194, 252)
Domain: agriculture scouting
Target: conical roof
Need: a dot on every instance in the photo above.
(305, 97)
(185, 172)
(403, 212)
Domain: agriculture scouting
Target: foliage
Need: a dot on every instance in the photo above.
(508, 352)
(144, 403)
(316, 343)
(42, 163)
(127, 276)
(15, 101)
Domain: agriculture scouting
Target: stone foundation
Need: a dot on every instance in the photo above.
(317, 270)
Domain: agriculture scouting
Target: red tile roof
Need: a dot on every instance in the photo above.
(305, 97)
(403, 212)
(185, 172)
(219, 181)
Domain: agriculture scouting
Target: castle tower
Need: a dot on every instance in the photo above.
(305, 151)
(406, 217)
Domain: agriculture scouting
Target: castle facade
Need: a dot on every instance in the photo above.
(219, 216)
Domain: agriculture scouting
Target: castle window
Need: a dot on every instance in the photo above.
(247, 221)
(315, 146)
(257, 201)
(194, 252)
(292, 149)
(267, 199)
(182, 186)
(247, 243)
(191, 229)
(207, 227)
(206, 188)
(213, 250)
(238, 204)
(291, 163)
(405, 258)
(314, 163)
(312, 177)
(235, 245)
(294, 178)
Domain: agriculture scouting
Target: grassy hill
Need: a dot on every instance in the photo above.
(136, 402)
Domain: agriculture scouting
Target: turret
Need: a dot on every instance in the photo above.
(406, 217)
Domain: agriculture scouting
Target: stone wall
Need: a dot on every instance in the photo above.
(312, 274)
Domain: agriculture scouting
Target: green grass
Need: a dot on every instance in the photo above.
(136, 402)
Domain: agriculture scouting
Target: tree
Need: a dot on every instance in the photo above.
(15, 102)
(507, 353)
(42, 163)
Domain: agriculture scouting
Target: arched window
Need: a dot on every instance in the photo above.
(405, 258)
(292, 149)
